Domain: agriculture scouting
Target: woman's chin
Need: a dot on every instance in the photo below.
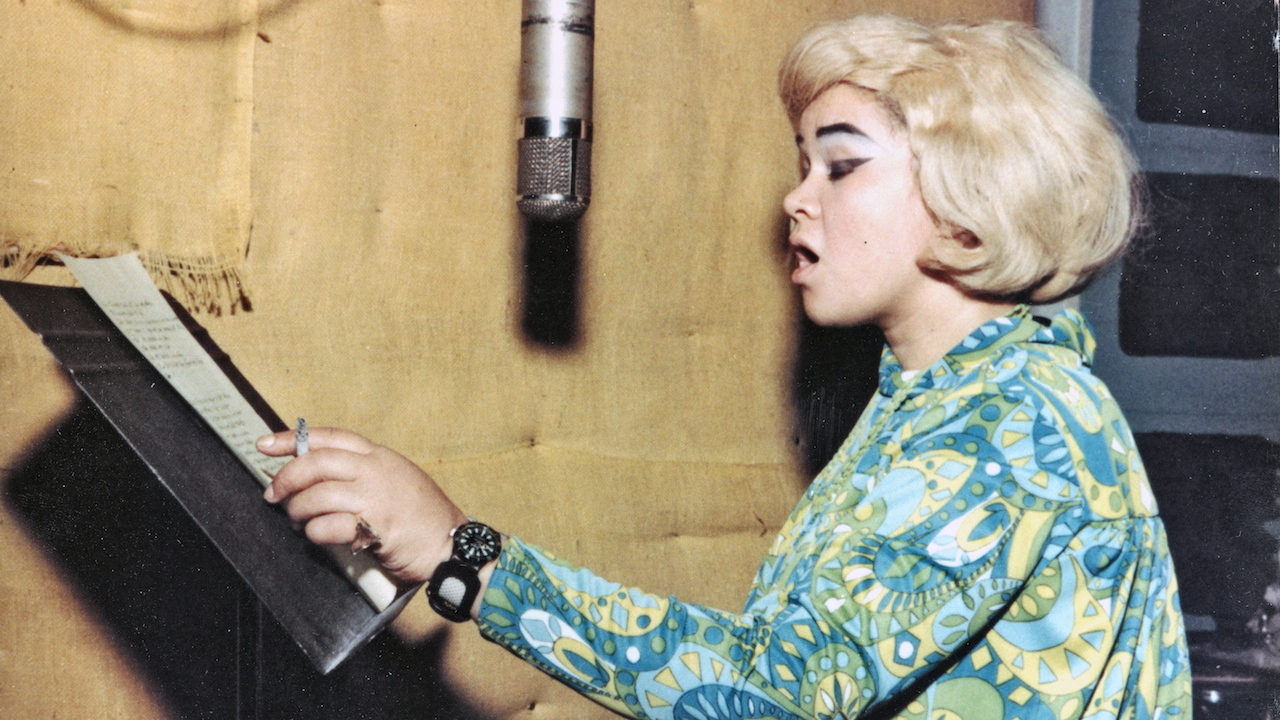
(826, 316)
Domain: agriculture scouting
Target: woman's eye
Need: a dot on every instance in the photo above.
(840, 168)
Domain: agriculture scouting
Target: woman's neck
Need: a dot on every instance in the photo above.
(924, 334)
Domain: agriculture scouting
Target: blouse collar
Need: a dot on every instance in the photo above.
(1068, 329)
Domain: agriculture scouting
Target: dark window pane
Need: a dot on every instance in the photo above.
(1208, 63)
(1204, 280)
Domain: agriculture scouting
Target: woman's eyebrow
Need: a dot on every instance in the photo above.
(841, 128)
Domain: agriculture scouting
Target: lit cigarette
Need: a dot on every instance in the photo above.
(300, 438)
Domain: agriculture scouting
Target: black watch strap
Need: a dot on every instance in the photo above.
(455, 584)
(453, 589)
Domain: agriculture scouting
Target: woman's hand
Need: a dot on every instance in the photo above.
(346, 478)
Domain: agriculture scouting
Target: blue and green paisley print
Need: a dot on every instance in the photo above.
(984, 545)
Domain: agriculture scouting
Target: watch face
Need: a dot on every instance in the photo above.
(476, 544)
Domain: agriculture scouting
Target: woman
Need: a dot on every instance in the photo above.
(985, 543)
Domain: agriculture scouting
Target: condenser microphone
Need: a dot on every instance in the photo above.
(553, 179)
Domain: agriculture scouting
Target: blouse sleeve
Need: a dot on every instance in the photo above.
(961, 556)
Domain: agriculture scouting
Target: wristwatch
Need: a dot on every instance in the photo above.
(456, 582)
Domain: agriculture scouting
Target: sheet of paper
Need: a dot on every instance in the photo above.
(122, 288)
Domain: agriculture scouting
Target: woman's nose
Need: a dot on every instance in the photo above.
(799, 202)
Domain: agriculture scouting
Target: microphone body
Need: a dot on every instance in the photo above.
(553, 179)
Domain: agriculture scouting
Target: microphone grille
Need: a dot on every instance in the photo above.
(553, 179)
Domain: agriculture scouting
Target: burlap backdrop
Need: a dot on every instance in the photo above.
(349, 166)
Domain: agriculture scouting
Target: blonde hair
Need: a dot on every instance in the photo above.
(1014, 154)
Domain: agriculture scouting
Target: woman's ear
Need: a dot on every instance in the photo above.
(965, 238)
(956, 250)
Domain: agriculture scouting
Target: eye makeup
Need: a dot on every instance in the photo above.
(842, 147)
(837, 169)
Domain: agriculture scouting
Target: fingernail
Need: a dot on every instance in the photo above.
(266, 441)
(270, 494)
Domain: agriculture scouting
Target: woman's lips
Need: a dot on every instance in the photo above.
(803, 260)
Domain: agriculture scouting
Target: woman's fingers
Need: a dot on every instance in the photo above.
(339, 439)
(345, 479)
(283, 443)
(324, 498)
(324, 464)
(332, 529)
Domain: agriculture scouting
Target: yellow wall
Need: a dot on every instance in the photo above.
(384, 270)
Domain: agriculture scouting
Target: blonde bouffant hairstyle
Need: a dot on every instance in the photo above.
(1015, 156)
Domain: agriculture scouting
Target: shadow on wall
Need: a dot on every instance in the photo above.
(551, 261)
(180, 612)
(833, 371)
(833, 376)
(210, 21)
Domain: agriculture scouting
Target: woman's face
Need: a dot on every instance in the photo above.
(858, 222)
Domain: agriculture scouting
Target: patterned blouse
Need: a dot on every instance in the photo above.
(984, 545)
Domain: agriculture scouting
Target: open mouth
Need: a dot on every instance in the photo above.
(803, 257)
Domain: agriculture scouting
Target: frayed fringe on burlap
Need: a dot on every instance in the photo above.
(213, 286)
(203, 285)
(17, 262)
